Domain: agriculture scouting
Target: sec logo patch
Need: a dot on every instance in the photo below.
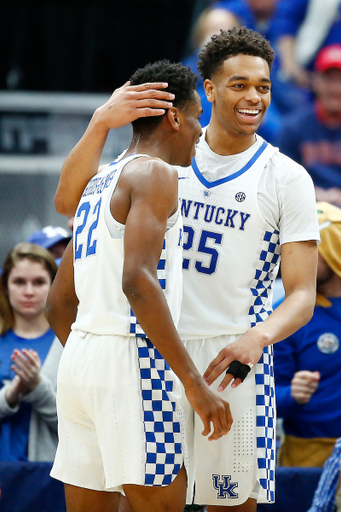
(240, 197)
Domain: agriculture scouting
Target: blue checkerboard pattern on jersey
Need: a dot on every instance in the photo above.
(265, 274)
(163, 430)
(135, 327)
(264, 277)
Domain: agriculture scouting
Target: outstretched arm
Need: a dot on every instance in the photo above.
(124, 106)
(145, 228)
(299, 263)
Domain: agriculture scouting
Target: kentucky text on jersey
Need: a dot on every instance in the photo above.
(97, 185)
(218, 215)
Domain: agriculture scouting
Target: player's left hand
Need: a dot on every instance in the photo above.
(247, 349)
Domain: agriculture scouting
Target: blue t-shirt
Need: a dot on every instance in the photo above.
(14, 429)
(314, 347)
(308, 141)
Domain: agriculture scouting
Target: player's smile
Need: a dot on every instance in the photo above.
(249, 113)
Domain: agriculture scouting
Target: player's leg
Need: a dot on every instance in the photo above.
(249, 506)
(79, 499)
(171, 498)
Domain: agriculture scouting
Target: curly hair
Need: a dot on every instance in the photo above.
(229, 43)
(21, 251)
(181, 81)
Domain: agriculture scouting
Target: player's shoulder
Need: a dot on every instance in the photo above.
(148, 167)
(285, 167)
(150, 176)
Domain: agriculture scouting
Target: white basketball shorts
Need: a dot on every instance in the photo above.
(223, 472)
(118, 414)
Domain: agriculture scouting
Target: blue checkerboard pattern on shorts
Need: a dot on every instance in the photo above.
(164, 430)
(135, 327)
(265, 274)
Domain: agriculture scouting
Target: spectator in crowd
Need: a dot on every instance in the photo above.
(258, 15)
(210, 22)
(312, 136)
(52, 238)
(327, 497)
(304, 27)
(307, 364)
(29, 356)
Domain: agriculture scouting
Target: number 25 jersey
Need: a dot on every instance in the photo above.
(231, 253)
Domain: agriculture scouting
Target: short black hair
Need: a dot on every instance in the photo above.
(229, 43)
(181, 81)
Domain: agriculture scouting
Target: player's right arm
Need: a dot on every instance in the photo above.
(124, 106)
(152, 199)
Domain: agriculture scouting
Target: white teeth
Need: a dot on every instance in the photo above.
(248, 111)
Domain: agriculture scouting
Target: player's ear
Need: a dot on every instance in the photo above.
(173, 118)
(210, 90)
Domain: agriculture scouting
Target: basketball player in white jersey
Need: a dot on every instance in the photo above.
(245, 206)
(120, 426)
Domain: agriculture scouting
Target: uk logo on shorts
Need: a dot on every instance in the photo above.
(328, 343)
(224, 486)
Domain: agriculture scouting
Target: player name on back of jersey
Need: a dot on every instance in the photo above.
(214, 214)
(98, 184)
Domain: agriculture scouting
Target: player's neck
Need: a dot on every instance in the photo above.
(151, 145)
(224, 142)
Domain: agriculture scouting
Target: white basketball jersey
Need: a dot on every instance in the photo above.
(231, 253)
(99, 255)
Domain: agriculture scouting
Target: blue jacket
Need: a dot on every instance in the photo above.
(316, 346)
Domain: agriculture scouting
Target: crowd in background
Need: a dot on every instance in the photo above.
(304, 119)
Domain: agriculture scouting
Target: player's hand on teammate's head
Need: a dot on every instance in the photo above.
(130, 102)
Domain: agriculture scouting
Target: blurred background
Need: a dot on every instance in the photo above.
(60, 60)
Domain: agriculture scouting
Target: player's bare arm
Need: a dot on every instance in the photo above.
(61, 307)
(299, 263)
(134, 203)
(124, 106)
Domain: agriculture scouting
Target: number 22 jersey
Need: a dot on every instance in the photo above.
(99, 255)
